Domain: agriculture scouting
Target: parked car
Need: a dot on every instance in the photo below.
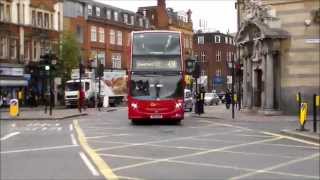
(188, 101)
(211, 99)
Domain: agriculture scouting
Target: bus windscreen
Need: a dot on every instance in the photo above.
(157, 43)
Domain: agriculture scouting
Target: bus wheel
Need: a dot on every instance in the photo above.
(178, 122)
(134, 122)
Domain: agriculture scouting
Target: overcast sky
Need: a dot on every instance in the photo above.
(219, 14)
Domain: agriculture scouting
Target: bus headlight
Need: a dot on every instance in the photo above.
(178, 105)
(134, 105)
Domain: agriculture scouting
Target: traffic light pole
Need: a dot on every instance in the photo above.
(232, 88)
(80, 88)
(50, 88)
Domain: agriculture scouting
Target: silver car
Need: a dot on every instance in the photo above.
(211, 99)
(188, 101)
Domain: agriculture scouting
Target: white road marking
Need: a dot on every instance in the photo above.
(275, 167)
(59, 128)
(30, 124)
(89, 164)
(44, 128)
(73, 139)
(38, 149)
(57, 124)
(9, 135)
(33, 129)
(196, 153)
(13, 125)
(292, 138)
(71, 127)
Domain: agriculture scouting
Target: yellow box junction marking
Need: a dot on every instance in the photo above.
(303, 113)
(104, 169)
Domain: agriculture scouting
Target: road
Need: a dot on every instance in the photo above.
(199, 148)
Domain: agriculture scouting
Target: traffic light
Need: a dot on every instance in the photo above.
(100, 70)
(197, 70)
(81, 68)
(190, 63)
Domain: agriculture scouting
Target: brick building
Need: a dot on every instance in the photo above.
(28, 28)
(103, 31)
(214, 50)
(279, 49)
(163, 18)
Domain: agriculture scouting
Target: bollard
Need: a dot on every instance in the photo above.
(316, 102)
(303, 116)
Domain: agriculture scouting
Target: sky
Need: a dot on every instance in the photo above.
(219, 14)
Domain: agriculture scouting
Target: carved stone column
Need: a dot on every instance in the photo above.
(269, 105)
(249, 83)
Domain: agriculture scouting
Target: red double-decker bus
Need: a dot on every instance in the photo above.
(155, 77)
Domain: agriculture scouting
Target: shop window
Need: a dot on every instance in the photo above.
(116, 60)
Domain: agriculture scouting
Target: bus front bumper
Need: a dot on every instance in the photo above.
(175, 115)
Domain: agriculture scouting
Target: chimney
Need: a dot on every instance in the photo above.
(189, 15)
(162, 3)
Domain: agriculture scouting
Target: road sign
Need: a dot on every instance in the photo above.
(317, 100)
(14, 107)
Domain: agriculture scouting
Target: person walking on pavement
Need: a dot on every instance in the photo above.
(201, 102)
(228, 99)
(81, 98)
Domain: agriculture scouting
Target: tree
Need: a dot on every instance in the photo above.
(69, 56)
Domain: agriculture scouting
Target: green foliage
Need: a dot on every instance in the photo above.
(70, 53)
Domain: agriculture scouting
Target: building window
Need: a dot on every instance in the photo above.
(101, 35)
(218, 72)
(18, 13)
(132, 20)
(203, 56)
(40, 19)
(112, 36)
(79, 34)
(141, 22)
(93, 33)
(101, 58)
(3, 47)
(59, 22)
(147, 24)
(125, 18)
(46, 20)
(26, 50)
(200, 39)
(116, 60)
(119, 38)
(23, 13)
(34, 22)
(203, 72)
(217, 39)
(8, 13)
(108, 14)
(115, 15)
(98, 11)
(34, 50)
(89, 10)
(13, 49)
(218, 56)
(51, 21)
(190, 42)
(1, 12)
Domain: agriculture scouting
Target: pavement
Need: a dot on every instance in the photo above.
(220, 112)
(39, 114)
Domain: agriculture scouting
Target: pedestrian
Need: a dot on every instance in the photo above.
(202, 95)
(228, 99)
(81, 99)
(235, 100)
(20, 97)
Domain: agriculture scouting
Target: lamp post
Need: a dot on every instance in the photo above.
(231, 66)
